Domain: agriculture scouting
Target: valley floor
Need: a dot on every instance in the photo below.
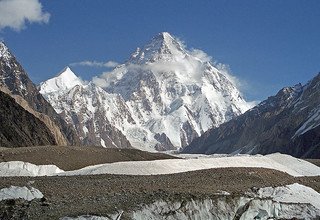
(105, 194)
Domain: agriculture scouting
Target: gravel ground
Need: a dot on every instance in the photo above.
(314, 161)
(72, 157)
(102, 194)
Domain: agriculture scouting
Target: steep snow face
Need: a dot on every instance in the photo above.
(170, 94)
(17, 192)
(65, 80)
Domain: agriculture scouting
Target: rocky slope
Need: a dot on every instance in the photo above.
(288, 122)
(162, 98)
(15, 81)
(19, 128)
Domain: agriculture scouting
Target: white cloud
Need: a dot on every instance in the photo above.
(101, 82)
(16, 13)
(201, 55)
(109, 64)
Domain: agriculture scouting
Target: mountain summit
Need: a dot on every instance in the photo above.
(163, 97)
(162, 47)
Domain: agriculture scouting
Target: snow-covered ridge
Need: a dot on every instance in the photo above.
(281, 162)
(166, 96)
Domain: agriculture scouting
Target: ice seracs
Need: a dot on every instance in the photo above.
(293, 201)
(163, 97)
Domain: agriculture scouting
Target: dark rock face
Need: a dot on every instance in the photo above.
(19, 128)
(14, 79)
(288, 122)
(164, 142)
(100, 131)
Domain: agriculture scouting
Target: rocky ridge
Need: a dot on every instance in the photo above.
(19, 128)
(15, 82)
(288, 122)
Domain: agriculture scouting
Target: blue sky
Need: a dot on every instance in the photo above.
(268, 44)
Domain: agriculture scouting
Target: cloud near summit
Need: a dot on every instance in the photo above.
(108, 64)
(15, 14)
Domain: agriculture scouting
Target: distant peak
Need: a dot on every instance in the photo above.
(66, 79)
(66, 71)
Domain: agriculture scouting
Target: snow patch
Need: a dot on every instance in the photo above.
(312, 122)
(16, 192)
(19, 168)
(103, 143)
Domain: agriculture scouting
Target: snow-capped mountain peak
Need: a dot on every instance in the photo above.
(162, 47)
(64, 80)
(162, 98)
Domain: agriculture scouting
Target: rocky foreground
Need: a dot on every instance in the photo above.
(228, 193)
(101, 195)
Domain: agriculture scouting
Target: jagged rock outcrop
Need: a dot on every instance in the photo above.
(162, 98)
(19, 128)
(288, 122)
(15, 81)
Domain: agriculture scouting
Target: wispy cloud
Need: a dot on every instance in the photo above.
(15, 14)
(109, 64)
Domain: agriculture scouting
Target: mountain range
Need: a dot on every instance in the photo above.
(164, 97)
